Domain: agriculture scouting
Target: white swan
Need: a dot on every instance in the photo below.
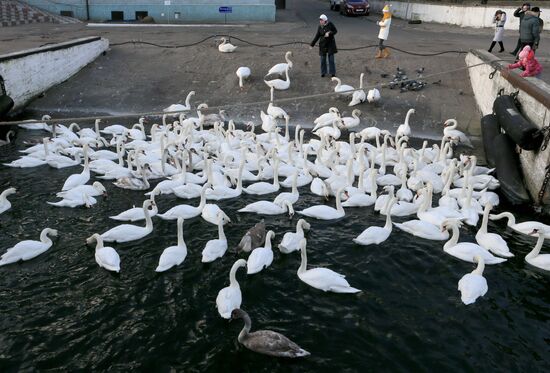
(291, 240)
(174, 255)
(5, 205)
(230, 297)
(82, 199)
(473, 285)
(243, 73)
(179, 107)
(94, 190)
(266, 342)
(129, 232)
(456, 135)
(405, 128)
(291, 196)
(26, 162)
(260, 257)
(136, 213)
(322, 278)
(263, 187)
(105, 256)
(373, 95)
(28, 249)
(353, 121)
(344, 89)
(491, 241)
(226, 47)
(280, 68)
(82, 178)
(186, 211)
(324, 212)
(215, 249)
(326, 119)
(525, 227)
(534, 258)
(423, 229)
(466, 250)
(360, 95)
(269, 208)
(279, 84)
(210, 213)
(377, 235)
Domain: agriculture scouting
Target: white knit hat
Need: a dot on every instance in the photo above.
(323, 17)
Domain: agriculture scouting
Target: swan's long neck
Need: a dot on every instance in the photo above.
(45, 239)
(480, 266)
(407, 118)
(303, 264)
(268, 240)
(148, 221)
(361, 80)
(295, 183)
(99, 241)
(188, 99)
(221, 233)
(485, 221)
(339, 207)
(511, 218)
(388, 208)
(246, 329)
(232, 275)
(454, 239)
(374, 187)
(181, 242)
(276, 174)
(536, 250)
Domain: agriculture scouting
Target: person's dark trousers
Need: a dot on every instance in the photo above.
(493, 44)
(517, 49)
(331, 65)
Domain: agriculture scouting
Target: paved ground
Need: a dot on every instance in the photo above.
(140, 78)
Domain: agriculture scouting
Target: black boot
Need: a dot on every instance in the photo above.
(492, 46)
(501, 47)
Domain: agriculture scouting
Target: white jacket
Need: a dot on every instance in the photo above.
(384, 29)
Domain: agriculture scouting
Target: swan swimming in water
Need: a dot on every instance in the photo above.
(105, 256)
(215, 249)
(322, 278)
(230, 297)
(174, 255)
(473, 285)
(129, 232)
(291, 240)
(260, 257)
(266, 342)
(5, 205)
(28, 249)
(534, 258)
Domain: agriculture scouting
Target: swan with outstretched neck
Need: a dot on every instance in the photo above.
(105, 256)
(473, 285)
(174, 255)
(322, 278)
(129, 232)
(28, 249)
(534, 258)
(491, 241)
(230, 297)
(5, 205)
(266, 342)
(525, 227)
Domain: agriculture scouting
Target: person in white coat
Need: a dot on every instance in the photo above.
(499, 20)
(384, 32)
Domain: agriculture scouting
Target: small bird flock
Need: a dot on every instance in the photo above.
(206, 157)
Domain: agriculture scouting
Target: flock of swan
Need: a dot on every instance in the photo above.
(210, 159)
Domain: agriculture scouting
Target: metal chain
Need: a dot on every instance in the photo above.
(545, 132)
(544, 185)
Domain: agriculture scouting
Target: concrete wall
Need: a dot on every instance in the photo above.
(167, 11)
(29, 76)
(460, 15)
(486, 90)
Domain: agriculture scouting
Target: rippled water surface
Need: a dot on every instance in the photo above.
(60, 310)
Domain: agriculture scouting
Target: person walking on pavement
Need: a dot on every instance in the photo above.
(384, 32)
(499, 20)
(327, 45)
(529, 30)
(520, 13)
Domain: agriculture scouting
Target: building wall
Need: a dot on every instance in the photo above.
(460, 15)
(167, 11)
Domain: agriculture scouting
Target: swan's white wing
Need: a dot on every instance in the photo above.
(171, 256)
(471, 287)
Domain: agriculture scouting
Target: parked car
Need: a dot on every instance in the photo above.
(354, 7)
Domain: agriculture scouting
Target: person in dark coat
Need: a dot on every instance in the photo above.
(529, 30)
(327, 45)
(520, 13)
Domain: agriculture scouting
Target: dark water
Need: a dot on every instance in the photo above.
(61, 311)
